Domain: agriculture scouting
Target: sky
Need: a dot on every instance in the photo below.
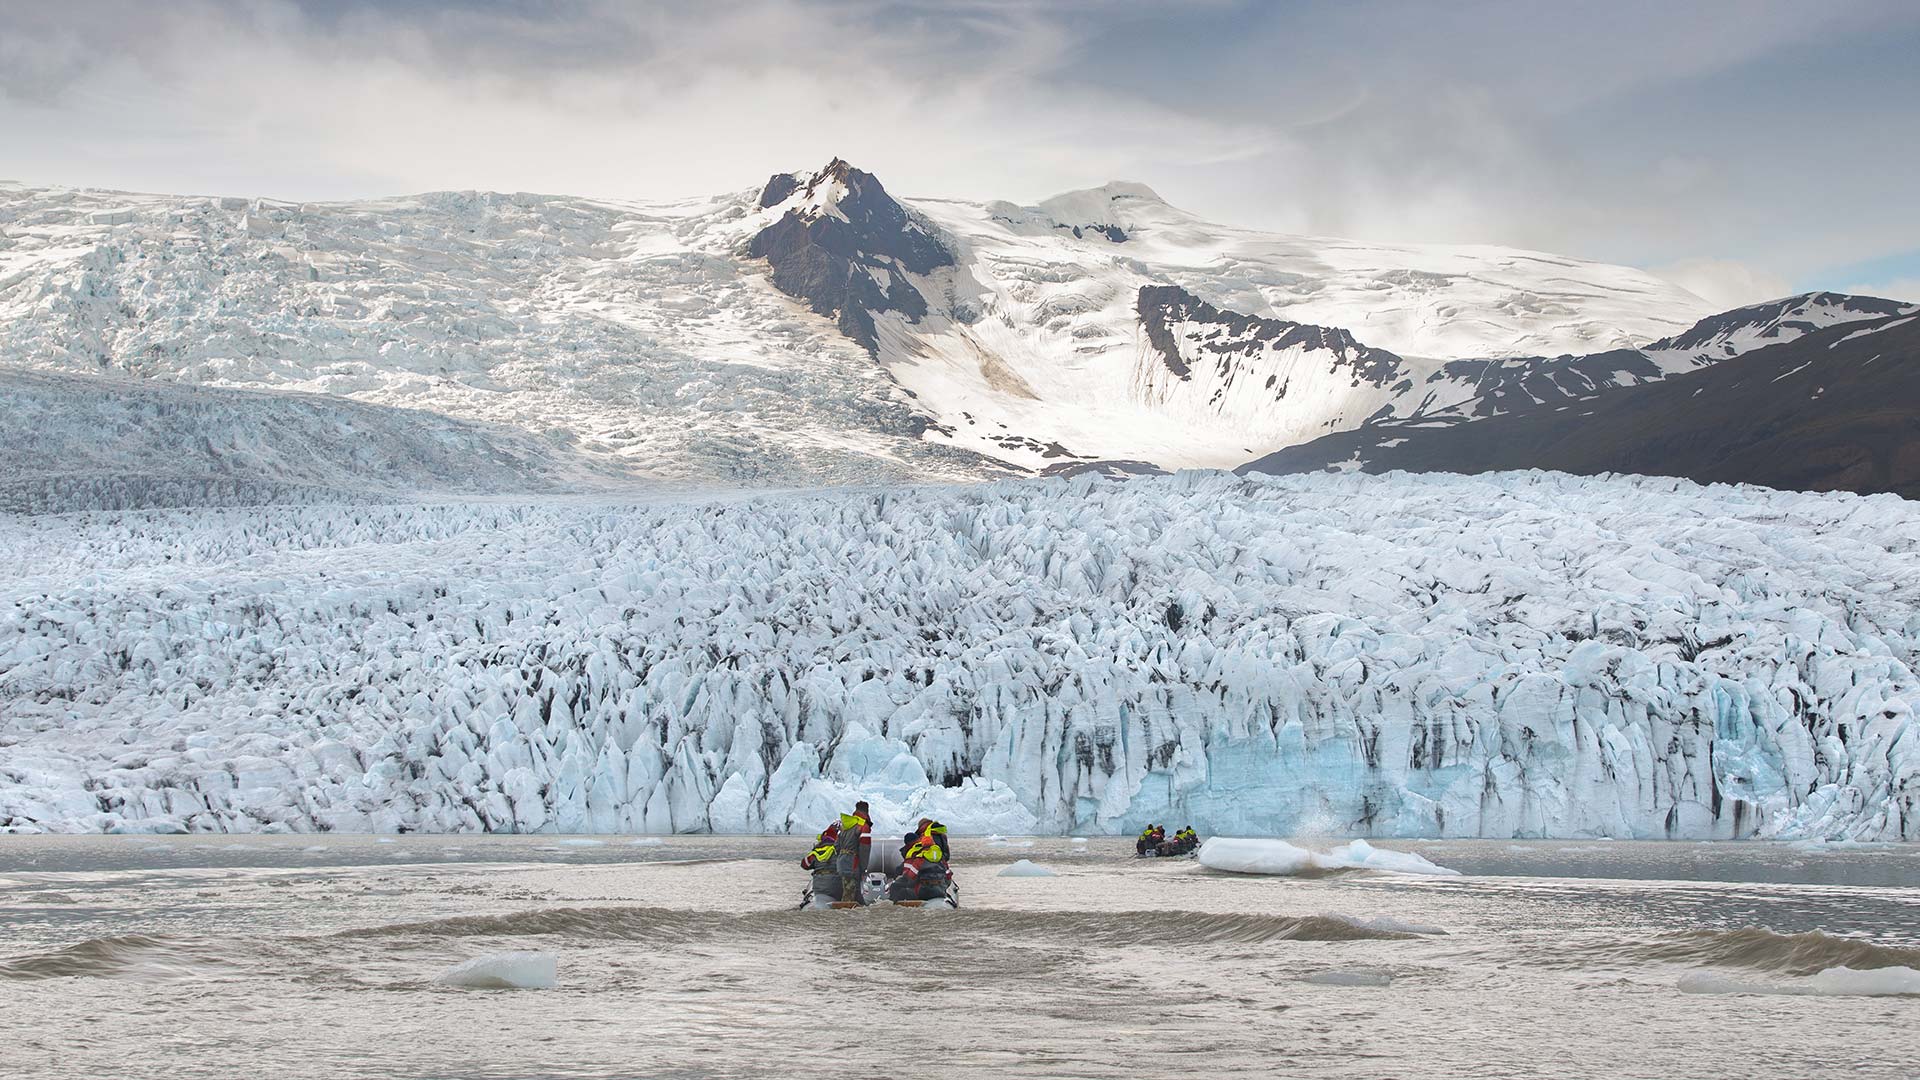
(1744, 149)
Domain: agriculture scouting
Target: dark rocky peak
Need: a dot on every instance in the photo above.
(779, 186)
(1182, 329)
(844, 246)
(1759, 325)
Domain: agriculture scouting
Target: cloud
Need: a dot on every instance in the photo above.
(1724, 282)
(1907, 289)
(1674, 135)
(658, 101)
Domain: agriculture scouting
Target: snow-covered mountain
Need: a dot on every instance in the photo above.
(1814, 393)
(1065, 332)
(815, 330)
(1522, 655)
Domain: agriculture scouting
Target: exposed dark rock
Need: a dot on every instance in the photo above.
(779, 187)
(847, 257)
(1772, 319)
(1512, 384)
(1112, 468)
(1837, 409)
(1168, 314)
(1112, 232)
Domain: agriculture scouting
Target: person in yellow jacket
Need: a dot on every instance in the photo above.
(840, 856)
(924, 870)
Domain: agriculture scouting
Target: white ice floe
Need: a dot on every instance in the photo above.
(504, 971)
(581, 841)
(1832, 982)
(1278, 857)
(1025, 868)
(1522, 655)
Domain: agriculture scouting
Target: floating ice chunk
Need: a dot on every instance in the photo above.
(1832, 982)
(1241, 856)
(1026, 868)
(1077, 840)
(1821, 844)
(582, 841)
(314, 849)
(383, 840)
(1350, 977)
(504, 971)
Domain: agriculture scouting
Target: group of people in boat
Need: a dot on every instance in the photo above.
(842, 859)
(1153, 840)
(842, 856)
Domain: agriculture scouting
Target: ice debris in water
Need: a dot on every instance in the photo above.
(504, 971)
(1025, 868)
(1508, 655)
(1831, 982)
(1279, 857)
(582, 841)
(646, 841)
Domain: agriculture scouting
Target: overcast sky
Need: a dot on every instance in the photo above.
(1745, 149)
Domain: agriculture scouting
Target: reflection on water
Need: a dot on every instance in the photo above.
(318, 957)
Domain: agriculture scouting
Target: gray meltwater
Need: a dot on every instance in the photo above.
(317, 956)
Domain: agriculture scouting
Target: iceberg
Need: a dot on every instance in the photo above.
(1277, 857)
(1831, 982)
(1510, 655)
(1025, 868)
(504, 971)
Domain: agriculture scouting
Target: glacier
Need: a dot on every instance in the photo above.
(1510, 655)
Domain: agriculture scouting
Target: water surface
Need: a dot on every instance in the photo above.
(685, 956)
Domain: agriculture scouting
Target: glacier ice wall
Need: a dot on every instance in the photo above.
(1511, 655)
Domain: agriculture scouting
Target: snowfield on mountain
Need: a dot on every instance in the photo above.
(966, 340)
(1524, 654)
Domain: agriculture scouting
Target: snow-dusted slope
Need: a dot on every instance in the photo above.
(735, 339)
(1759, 326)
(75, 442)
(1522, 655)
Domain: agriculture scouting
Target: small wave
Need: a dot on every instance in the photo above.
(1832, 982)
(1114, 929)
(1765, 950)
(1350, 977)
(1123, 928)
(125, 956)
(599, 923)
(1392, 925)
